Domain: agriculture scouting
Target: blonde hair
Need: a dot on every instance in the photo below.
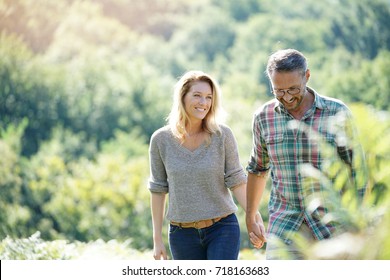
(178, 117)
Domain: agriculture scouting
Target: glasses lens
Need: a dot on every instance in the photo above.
(294, 91)
(279, 93)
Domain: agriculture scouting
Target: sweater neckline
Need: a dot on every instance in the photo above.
(195, 152)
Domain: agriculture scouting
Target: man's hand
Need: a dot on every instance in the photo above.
(256, 230)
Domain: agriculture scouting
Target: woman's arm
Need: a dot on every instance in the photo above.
(239, 193)
(158, 210)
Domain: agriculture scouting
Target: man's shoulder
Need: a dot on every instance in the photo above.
(330, 103)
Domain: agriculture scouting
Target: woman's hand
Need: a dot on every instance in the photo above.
(159, 252)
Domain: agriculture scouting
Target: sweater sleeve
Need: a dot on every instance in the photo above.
(158, 177)
(234, 172)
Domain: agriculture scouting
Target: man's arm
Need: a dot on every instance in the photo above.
(254, 222)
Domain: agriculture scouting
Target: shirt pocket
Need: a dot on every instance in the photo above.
(274, 139)
(276, 152)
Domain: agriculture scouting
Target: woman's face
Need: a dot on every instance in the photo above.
(198, 100)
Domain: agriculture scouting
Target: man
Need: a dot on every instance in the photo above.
(291, 138)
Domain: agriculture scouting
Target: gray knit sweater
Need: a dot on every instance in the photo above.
(197, 181)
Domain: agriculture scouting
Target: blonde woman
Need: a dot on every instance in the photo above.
(195, 159)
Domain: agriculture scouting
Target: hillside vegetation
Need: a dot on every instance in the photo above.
(84, 84)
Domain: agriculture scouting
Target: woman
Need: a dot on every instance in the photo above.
(195, 159)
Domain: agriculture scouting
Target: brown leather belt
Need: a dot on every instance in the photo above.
(199, 224)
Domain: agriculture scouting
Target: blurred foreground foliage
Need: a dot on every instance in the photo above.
(367, 221)
(363, 222)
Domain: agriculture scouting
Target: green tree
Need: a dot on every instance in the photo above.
(28, 89)
(361, 26)
(239, 10)
(204, 34)
(367, 82)
(13, 213)
(89, 199)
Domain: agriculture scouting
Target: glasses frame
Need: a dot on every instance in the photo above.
(282, 92)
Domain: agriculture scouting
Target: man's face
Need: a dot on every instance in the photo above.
(289, 88)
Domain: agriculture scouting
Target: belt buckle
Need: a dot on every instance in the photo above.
(196, 224)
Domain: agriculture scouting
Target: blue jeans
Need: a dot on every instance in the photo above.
(221, 241)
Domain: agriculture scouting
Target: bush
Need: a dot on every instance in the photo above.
(35, 248)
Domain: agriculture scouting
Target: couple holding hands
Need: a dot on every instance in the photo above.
(194, 159)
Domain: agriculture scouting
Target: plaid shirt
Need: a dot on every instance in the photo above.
(285, 145)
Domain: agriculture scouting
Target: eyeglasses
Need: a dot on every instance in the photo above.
(282, 92)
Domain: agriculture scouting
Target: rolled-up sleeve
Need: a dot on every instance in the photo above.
(234, 172)
(259, 160)
(158, 177)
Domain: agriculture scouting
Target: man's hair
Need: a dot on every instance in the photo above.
(287, 60)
